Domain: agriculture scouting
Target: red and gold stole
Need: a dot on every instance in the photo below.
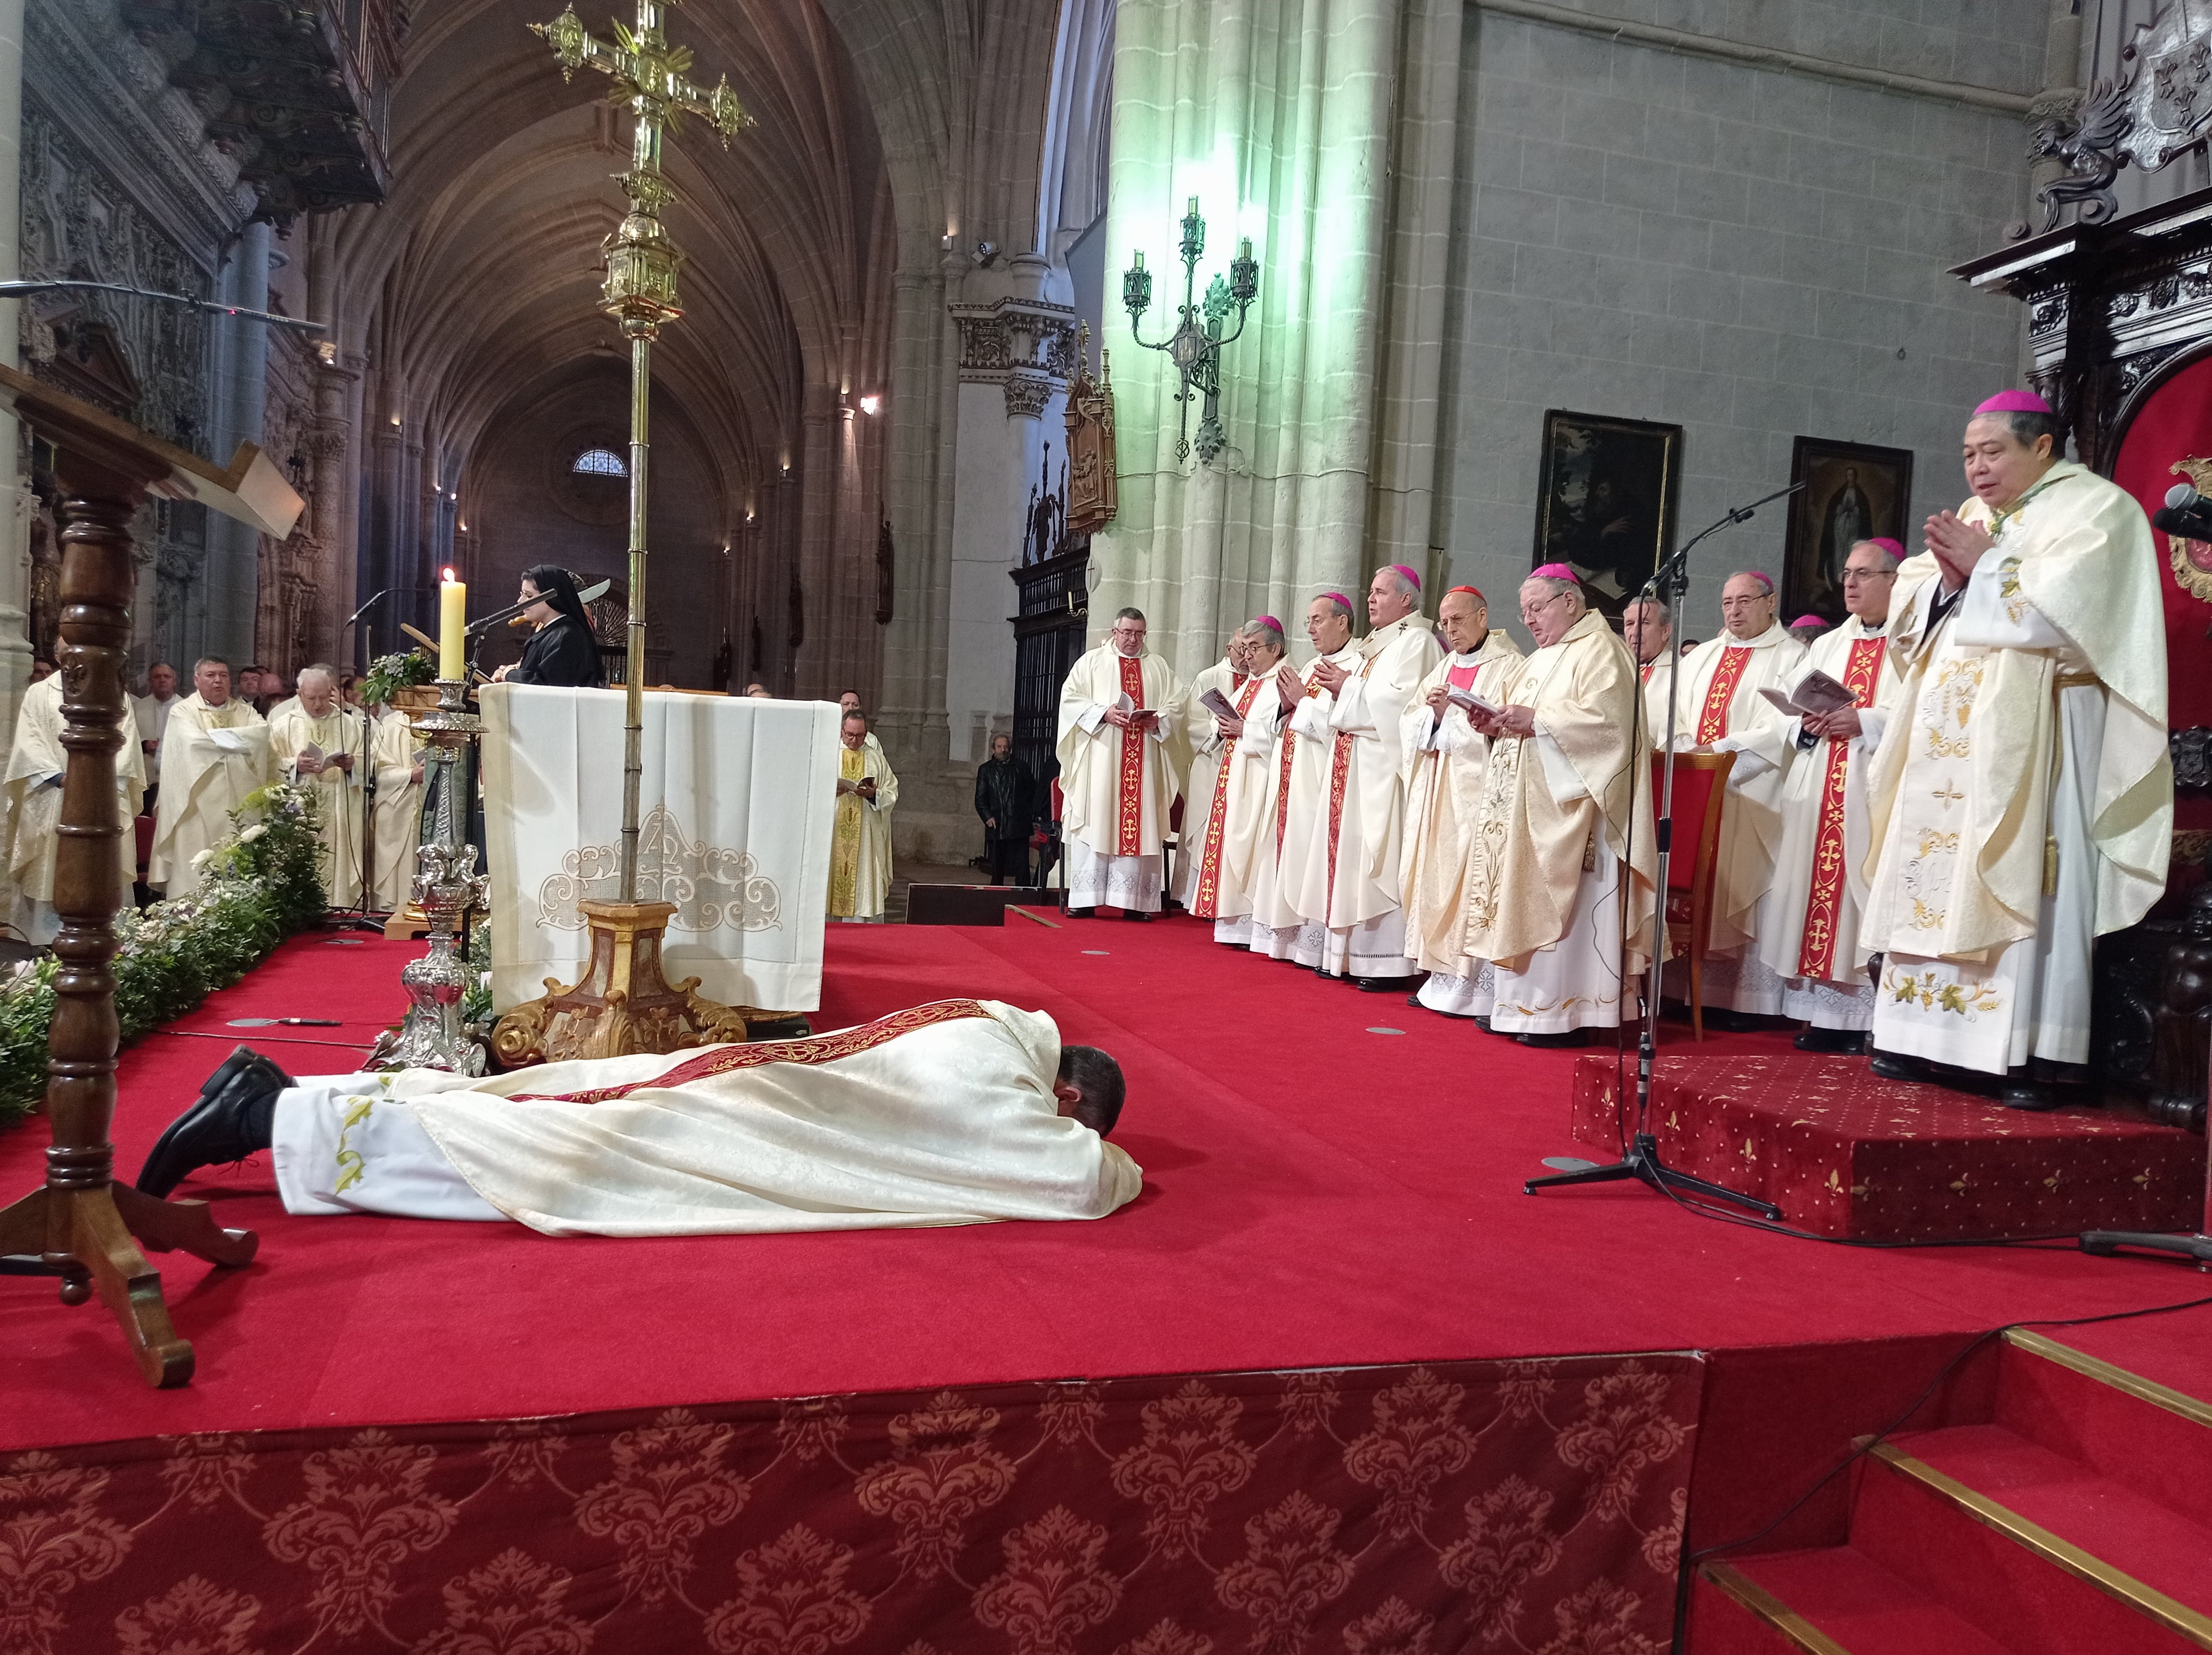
(1339, 775)
(1129, 796)
(1207, 901)
(1283, 776)
(1816, 954)
(1712, 722)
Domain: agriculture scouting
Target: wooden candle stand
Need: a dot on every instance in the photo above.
(81, 1221)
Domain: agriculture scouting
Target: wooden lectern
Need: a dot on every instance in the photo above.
(81, 1221)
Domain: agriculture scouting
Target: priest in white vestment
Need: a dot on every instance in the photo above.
(1120, 714)
(31, 808)
(320, 745)
(151, 712)
(1345, 883)
(1300, 787)
(2022, 795)
(860, 841)
(1722, 711)
(1446, 759)
(1810, 937)
(1566, 821)
(214, 751)
(1203, 743)
(397, 756)
(1647, 626)
(1225, 828)
(961, 1111)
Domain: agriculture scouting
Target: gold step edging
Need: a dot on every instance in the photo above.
(2189, 1408)
(1756, 1600)
(2175, 1617)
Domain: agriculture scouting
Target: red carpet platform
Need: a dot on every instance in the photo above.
(1332, 1383)
(1844, 1153)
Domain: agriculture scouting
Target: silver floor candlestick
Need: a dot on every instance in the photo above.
(447, 886)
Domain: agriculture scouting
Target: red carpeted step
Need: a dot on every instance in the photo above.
(1833, 1600)
(2022, 1586)
(2141, 1434)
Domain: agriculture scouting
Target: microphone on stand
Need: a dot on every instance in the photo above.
(2186, 512)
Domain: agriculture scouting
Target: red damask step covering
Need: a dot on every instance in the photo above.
(1534, 1505)
(1843, 1153)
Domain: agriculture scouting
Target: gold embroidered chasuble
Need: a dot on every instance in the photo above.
(31, 800)
(395, 752)
(337, 793)
(211, 758)
(860, 845)
(1534, 838)
(1303, 760)
(1959, 789)
(1445, 764)
(1117, 786)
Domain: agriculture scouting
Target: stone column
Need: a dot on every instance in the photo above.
(15, 501)
(242, 355)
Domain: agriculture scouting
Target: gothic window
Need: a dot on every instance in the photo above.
(599, 462)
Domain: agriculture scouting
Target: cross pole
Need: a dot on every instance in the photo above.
(640, 292)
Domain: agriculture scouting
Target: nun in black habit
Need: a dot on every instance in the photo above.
(562, 651)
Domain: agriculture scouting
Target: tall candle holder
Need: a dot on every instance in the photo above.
(447, 886)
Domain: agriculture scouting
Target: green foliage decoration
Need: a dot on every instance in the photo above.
(258, 887)
(389, 674)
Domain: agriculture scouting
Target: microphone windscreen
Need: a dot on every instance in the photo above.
(2180, 495)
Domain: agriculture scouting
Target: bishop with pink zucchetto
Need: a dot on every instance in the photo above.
(1228, 823)
(1205, 742)
(1304, 755)
(2019, 790)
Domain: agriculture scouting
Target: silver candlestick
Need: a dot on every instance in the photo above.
(448, 888)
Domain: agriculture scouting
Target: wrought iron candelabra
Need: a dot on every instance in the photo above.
(1195, 347)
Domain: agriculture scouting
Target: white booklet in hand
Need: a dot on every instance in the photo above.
(1815, 695)
(231, 741)
(1472, 702)
(1219, 705)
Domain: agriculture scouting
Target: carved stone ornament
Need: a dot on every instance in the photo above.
(1015, 336)
(2191, 560)
(2159, 108)
(1027, 395)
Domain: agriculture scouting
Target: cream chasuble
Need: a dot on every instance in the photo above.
(1116, 785)
(211, 758)
(395, 753)
(1221, 826)
(1654, 676)
(861, 844)
(1445, 763)
(1204, 741)
(944, 1114)
(1809, 933)
(31, 806)
(1297, 791)
(2021, 793)
(1544, 864)
(339, 793)
(1722, 708)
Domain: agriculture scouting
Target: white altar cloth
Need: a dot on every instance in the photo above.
(735, 811)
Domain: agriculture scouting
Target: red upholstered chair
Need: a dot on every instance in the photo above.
(1700, 790)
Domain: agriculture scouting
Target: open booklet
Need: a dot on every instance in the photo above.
(1219, 705)
(1815, 695)
(1123, 704)
(1473, 703)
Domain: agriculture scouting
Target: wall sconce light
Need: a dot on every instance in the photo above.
(1195, 347)
(395, 422)
(872, 404)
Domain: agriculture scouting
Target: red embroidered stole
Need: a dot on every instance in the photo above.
(1824, 903)
(1712, 722)
(1206, 903)
(1645, 676)
(1283, 774)
(1339, 775)
(1129, 796)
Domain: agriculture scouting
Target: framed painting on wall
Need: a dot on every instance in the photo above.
(1605, 501)
(1853, 491)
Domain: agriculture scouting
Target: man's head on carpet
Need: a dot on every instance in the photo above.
(1090, 1088)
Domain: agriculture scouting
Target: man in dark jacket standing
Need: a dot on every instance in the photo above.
(1004, 792)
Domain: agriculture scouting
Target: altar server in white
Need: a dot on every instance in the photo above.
(397, 758)
(2022, 793)
(214, 751)
(956, 1112)
(1226, 828)
(1720, 711)
(1809, 937)
(31, 806)
(860, 841)
(321, 744)
(1121, 712)
(1346, 883)
(1206, 742)
(1301, 781)
(1446, 759)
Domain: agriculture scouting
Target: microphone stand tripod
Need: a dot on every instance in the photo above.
(1668, 583)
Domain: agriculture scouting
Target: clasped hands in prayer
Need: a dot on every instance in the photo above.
(1956, 545)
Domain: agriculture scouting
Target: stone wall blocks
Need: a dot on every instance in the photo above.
(1601, 335)
(1739, 453)
(1513, 320)
(1781, 306)
(1496, 159)
(1758, 150)
(1684, 137)
(1564, 169)
(1705, 295)
(1745, 352)
(1594, 227)
(2007, 65)
(1523, 109)
(1653, 78)
(1669, 238)
(1568, 58)
(1574, 277)
(1660, 341)
(1491, 266)
(1754, 250)
(1692, 397)
(1863, 320)
(1617, 125)
(1636, 181)
(1824, 164)
(1954, 136)
(1771, 405)
(1790, 103)
(1525, 215)
(1863, 219)
(1718, 196)
(1831, 265)
(1818, 364)
(1911, 48)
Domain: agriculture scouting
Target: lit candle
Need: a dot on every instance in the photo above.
(452, 629)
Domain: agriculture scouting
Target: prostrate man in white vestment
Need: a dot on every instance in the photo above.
(1446, 760)
(1564, 804)
(31, 807)
(1225, 828)
(1120, 713)
(215, 752)
(958, 1112)
(1810, 936)
(321, 743)
(1647, 626)
(2020, 792)
(1722, 711)
(1203, 742)
(1347, 884)
(397, 758)
(1279, 929)
(860, 845)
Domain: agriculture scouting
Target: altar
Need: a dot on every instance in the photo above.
(735, 810)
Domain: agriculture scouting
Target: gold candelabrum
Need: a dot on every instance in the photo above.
(621, 1003)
